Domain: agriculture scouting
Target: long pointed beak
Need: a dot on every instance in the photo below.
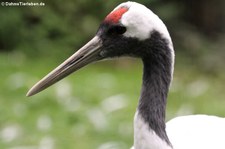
(85, 55)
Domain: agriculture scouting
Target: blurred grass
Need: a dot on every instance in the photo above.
(93, 108)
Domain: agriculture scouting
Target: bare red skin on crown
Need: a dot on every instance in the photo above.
(115, 16)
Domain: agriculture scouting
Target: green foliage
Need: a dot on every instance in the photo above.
(47, 29)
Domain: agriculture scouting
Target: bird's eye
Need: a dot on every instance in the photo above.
(117, 30)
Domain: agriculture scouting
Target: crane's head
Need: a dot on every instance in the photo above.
(130, 29)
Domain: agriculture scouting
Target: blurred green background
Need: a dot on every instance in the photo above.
(94, 108)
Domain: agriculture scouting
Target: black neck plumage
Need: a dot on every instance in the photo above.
(157, 76)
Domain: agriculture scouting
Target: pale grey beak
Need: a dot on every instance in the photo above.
(85, 55)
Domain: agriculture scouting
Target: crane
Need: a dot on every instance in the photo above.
(132, 29)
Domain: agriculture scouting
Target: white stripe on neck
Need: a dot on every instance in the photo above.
(145, 137)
